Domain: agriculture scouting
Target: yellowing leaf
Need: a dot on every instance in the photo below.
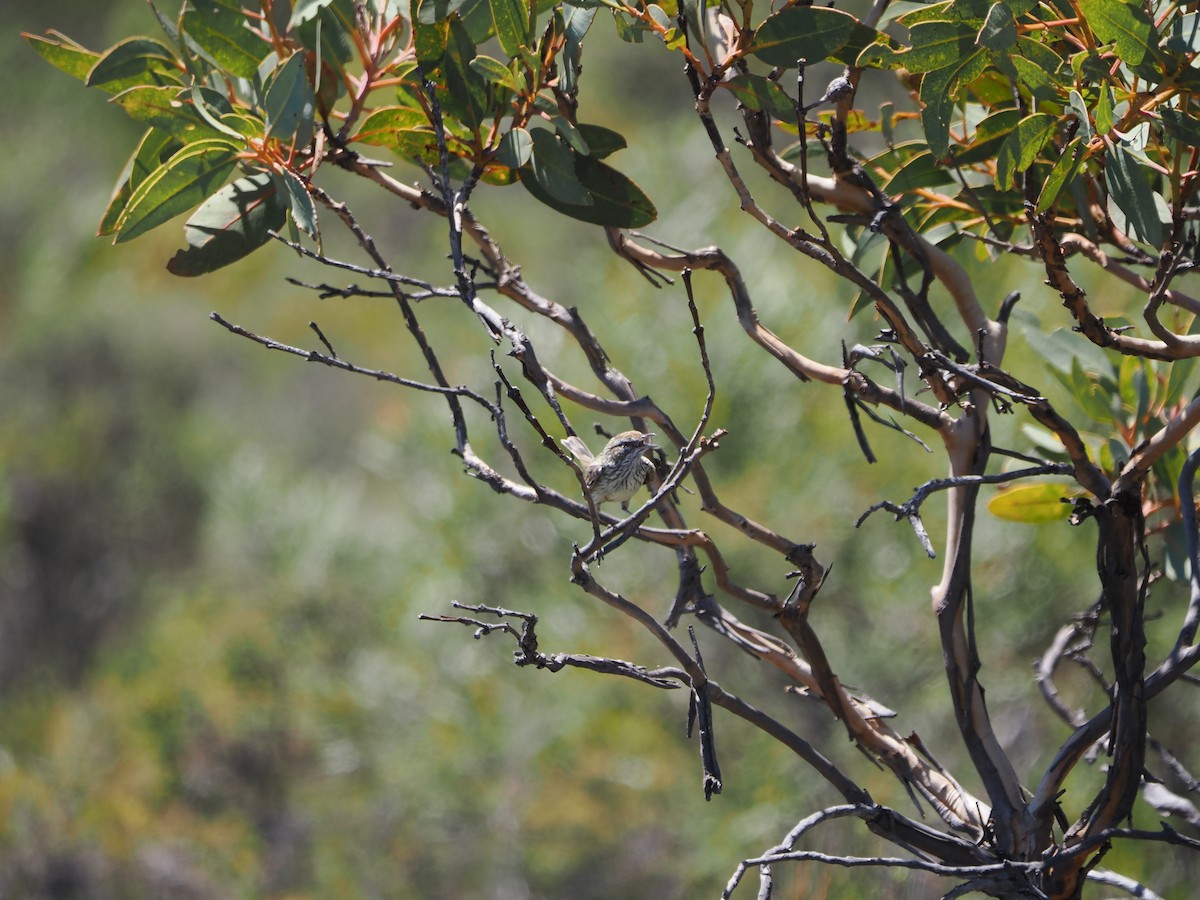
(1032, 503)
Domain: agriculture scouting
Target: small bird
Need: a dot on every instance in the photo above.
(619, 470)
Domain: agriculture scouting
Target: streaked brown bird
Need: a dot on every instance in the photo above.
(620, 469)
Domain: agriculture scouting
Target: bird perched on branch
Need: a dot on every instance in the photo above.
(619, 470)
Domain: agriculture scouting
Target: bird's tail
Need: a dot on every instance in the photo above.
(577, 448)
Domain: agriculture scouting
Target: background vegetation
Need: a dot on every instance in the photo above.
(212, 678)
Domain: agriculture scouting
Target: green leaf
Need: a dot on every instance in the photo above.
(245, 123)
(1134, 391)
(211, 106)
(494, 71)
(1022, 146)
(1177, 562)
(167, 109)
(1181, 126)
(628, 30)
(759, 93)
(1080, 111)
(861, 37)
(908, 17)
(304, 211)
(935, 45)
(1089, 393)
(1034, 78)
(553, 168)
(1058, 348)
(1185, 34)
(221, 29)
(938, 89)
(511, 21)
(431, 41)
(431, 11)
(923, 170)
(1104, 110)
(669, 33)
(1064, 170)
(617, 201)
(576, 22)
(288, 102)
(1177, 379)
(1044, 441)
(1088, 66)
(602, 141)
(570, 134)
(1032, 503)
(182, 182)
(1112, 456)
(1125, 24)
(230, 225)
(999, 31)
(970, 10)
(1039, 54)
(465, 97)
(155, 148)
(402, 129)
(63, 53)
(802, 32)
(515, 148)
(326, 26)
(996, 125)
(1129, 189)
(134, 61)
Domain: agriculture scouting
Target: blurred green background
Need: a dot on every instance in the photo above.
(213, 682)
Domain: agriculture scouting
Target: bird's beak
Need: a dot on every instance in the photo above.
(650, 445)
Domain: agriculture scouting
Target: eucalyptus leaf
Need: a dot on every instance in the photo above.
(402, 129)
(938, 90)
(289, 104)
(431, 11)
(135, 61)
(185, 180)
(1080, 111)
(326, 27)
(168, 109)
(802, 32)
(300, 203)
(1033, 503)
(465, 97)
(759, 93)
(494, 71)
(511, 20)
(1061, 174)
(1129, 189)
(601, 141)
(220, 28)
(155, 148)
(999, 31)
(230, 225)
(553, 168)
(617, 202)
(1022, 146)
(1125, 24)
(516, 147)
(1181, 126)
(63, 53)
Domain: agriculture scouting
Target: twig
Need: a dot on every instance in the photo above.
(334, 362)
(700, 715)
(527, 653)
